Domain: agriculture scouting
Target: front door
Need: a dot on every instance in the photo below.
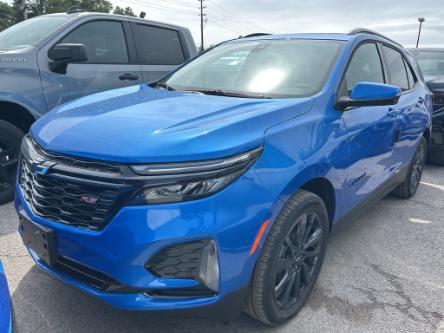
(108, 65)
(371, 130)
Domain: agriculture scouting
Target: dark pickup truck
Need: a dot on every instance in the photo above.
(431, 61)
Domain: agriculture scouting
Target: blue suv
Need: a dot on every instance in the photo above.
(217, 187)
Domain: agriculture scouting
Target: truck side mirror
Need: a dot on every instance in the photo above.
(63, 54)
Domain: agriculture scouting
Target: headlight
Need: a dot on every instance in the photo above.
(177, 182)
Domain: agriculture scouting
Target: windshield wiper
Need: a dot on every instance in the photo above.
(219, 92)
(161, 84)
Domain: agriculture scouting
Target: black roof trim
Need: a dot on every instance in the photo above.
(257, 34)
(371, 32)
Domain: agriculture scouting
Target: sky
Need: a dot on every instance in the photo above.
(226, 19)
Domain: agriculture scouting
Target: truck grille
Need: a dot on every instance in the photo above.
(438, 101)
(67, 198)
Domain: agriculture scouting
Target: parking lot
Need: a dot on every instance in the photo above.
(384, 273)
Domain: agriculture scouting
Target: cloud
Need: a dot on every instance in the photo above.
(230, 18)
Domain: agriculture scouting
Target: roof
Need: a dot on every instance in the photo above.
(97, 14)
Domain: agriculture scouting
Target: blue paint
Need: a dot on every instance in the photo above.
(5, 304)
(373, 91)
(356, 152)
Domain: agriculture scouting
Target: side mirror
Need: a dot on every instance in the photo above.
(63, 54)
(370, 94)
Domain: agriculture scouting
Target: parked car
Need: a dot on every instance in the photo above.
(432, 63)
(218, 189)
(52, 59)
(5, 304)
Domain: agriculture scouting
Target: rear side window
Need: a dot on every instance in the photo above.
(396, 68)
(104, 41)
(365, 66)
(158, 46)
(410, 76)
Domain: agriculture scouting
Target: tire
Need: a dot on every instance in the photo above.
(436, 157)
(410, 185)
(266, 299)
(10, 140)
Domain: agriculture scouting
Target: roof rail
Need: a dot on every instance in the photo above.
(257, 34)
(371, 32)
(74, 9)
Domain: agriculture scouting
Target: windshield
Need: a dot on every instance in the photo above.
(263, 68)
(28, 33)
(431, 62)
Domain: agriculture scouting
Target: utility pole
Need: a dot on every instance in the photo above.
(202, 7)
(421, 20)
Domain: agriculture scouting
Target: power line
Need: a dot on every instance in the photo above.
(227, 27)
(161, 7)
(245, 29)
(242, 19)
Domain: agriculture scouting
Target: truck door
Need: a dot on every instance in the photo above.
(111, 62)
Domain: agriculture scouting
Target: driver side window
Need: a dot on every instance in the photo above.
(365, 66)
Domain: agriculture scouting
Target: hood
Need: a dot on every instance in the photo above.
(140, 124)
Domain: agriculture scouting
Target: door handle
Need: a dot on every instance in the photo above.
(128, 77)
(392, 112)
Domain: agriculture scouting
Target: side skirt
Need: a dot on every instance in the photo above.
(379, 194)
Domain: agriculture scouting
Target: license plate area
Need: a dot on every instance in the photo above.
(39, 239)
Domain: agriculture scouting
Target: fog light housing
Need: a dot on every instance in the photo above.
(209, 266)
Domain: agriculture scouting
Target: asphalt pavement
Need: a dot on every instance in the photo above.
(383, 273)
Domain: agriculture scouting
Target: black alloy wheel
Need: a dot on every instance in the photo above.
(290, 260)
(410, 185)
(297, 261)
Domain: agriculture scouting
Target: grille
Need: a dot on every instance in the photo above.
(75, 162)
(87, 275)
(178, 261)
(438, 101)
(68, 199)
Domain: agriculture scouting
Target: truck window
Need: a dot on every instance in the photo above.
(104, 41)
(396, 68)
(158, 46)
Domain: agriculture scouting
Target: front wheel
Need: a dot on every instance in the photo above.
(290, 261)
(10, 139)
(410, 185)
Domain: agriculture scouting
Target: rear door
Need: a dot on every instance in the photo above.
(160, 50)
(410, 111)
(111, 62)
(370, 129)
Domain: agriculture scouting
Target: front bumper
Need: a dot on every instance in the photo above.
(120, 250)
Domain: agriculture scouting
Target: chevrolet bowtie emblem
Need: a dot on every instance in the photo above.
(41, 168)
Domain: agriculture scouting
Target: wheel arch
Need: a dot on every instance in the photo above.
(323, 188)
(17, 115)
(313, 179)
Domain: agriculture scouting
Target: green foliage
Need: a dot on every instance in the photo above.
(128, 11)
(23, 9)
(6, 15)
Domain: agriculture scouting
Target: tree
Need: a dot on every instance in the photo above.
(24, 9)
(128, 11)
(6, 16)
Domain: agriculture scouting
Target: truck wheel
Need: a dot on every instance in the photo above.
(290, 261)
(410, 185)
(10, 140)
(436, 158)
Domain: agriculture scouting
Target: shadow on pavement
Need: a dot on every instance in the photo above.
(44, 304)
